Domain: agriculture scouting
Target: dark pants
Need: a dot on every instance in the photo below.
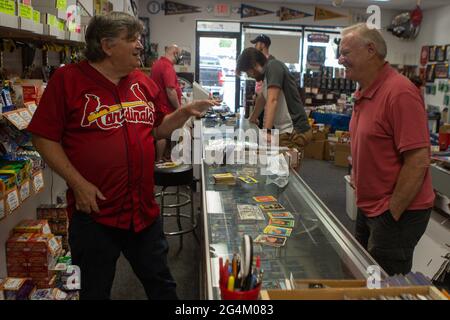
(95, 249)
(391, 243)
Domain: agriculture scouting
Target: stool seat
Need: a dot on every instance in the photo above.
(177, 176)
(181, 175)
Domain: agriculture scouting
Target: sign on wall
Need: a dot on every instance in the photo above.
(172, 8)
(289, 14)
(325, 14)
(249, 11)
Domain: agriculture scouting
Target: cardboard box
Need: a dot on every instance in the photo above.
(341, 154)
(314, 283)
(328, 153)
(32, 226)
(315, 150)
(348, 293)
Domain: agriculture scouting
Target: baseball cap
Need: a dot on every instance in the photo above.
(262, 38)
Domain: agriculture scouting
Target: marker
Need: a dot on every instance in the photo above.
(231, 283)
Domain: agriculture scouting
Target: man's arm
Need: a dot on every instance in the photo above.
(271, 106)
(173, 97)
(410, 180)
(85, 192)
(177, 118)
(259, 107)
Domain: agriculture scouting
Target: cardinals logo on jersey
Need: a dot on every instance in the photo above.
(110, 117)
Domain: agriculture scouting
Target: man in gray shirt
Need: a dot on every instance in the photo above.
(283, 107)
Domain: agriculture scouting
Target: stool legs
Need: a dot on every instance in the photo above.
(180, 228)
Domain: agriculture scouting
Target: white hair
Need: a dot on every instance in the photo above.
(368, 35)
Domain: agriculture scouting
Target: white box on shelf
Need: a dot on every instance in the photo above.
(9, 21)
(61, 14)
(26, 24)
(350, 199)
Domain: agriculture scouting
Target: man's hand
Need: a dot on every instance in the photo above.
(86, 195)
(199, 107)
(253, 119)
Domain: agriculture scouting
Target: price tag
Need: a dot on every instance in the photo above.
(25, 11)
(319, 96)
(8, 7)
(330, 96)
(61, 4)
(307, 90)
(308, 101)
(25, 191)
(38, 182)
(61, 24)
(36, 16)
(51, 20)
(12, 200)
(16, 120)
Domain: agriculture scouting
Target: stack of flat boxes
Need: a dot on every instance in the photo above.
(32, 255)
(56, 215)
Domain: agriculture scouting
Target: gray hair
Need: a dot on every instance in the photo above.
(108, 26)
(368, 35)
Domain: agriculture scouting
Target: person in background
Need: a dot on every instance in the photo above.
(95, 126)
(390, 149)
(283, 107)
(262, 43)
(164, 75)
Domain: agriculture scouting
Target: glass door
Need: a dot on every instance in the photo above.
(216, 54)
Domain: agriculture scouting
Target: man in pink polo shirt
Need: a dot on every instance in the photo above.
(390, 151)
(163, 73)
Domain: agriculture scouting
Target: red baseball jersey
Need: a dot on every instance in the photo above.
(165, 76)
(105, 130)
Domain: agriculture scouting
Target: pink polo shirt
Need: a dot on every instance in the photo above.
(388, 119)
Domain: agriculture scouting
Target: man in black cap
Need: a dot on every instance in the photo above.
(262, 43)
(283, 107)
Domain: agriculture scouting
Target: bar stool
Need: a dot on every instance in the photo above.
(178, 176)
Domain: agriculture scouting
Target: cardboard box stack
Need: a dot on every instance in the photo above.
(56, 215)
(32, 251)
(315, 149)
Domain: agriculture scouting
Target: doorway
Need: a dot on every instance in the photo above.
(217, 47)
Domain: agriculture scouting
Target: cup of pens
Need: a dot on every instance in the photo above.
(238, 279)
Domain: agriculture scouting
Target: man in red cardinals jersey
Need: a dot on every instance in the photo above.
(95, 126)
(163, 73)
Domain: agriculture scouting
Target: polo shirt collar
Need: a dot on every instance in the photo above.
(382, 75)
(167, 60)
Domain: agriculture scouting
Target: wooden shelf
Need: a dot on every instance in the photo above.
(16, 34)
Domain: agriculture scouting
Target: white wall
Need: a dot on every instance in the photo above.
(434, 31)
(180, 29)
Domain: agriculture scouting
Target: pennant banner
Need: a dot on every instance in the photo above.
(325, 14)
(249, 11)
(289, 14)
(172, 8)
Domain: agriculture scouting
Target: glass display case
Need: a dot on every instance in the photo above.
(319, 247)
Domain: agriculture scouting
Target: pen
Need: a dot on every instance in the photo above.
(221, 275)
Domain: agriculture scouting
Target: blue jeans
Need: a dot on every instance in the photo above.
(95, 249)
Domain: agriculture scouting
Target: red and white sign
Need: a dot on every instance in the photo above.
(222, 10)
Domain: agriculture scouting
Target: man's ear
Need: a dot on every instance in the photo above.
(371, 49)
(107, 45)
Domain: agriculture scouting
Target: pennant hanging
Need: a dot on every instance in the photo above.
(249, 11)
(325, 14)
(289, 14)
(172, 8)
